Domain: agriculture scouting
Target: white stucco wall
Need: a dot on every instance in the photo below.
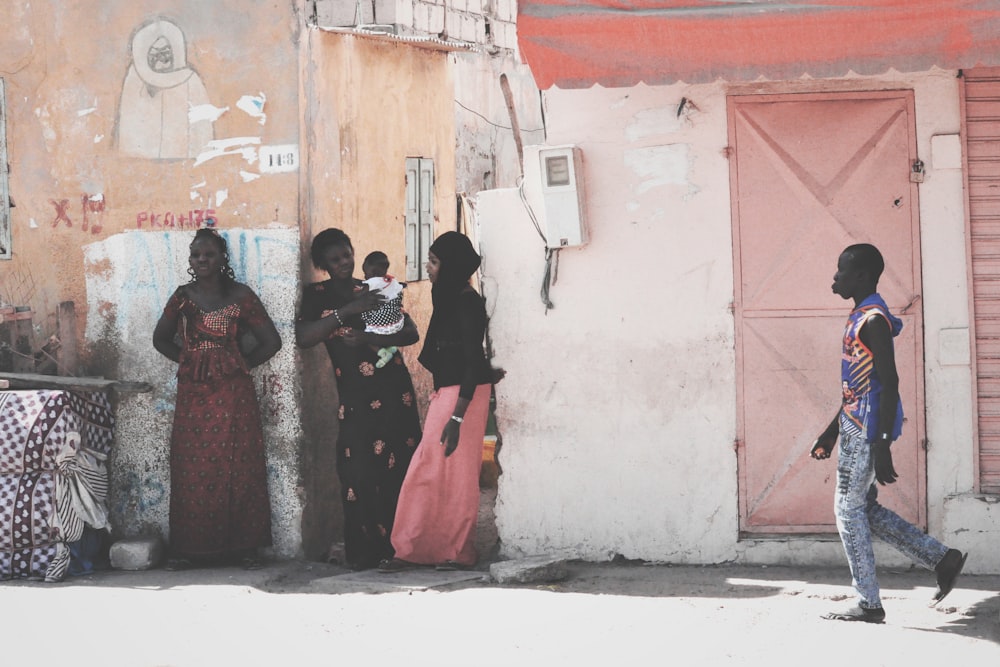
(618, 411)
(619, 405)
(130, 276)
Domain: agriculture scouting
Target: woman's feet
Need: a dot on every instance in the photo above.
(248, 560)
(178, 564)
(393, 565)
(251, 563)
(449, 566)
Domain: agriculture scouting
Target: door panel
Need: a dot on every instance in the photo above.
(812, 174)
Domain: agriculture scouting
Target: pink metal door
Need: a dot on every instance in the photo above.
(812, 174)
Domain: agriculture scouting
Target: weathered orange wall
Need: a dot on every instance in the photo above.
(375, 104)
(368, 106)
(64, 64)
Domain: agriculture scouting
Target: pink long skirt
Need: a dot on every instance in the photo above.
(439, 501)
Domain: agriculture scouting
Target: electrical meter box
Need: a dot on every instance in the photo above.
(553, 182)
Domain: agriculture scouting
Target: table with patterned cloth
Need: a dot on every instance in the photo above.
(53, 477)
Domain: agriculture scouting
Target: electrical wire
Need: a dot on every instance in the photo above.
(502, 127)
(551, 254)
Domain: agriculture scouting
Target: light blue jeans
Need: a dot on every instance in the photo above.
(860, 516)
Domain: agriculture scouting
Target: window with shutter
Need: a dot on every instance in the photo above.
(419, 215)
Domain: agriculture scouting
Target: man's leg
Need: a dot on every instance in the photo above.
(855, 476)
(901, 534)
(915, 543)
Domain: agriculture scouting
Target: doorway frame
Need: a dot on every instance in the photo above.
(741, 95)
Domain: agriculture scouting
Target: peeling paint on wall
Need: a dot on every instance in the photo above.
(243, 146)
(208, 112)
(656, 166)
(652, 122)
(253, 106)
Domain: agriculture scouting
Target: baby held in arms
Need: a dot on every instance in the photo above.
(388, 317)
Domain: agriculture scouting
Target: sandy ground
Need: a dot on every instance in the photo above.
(619, 613)
(292, 613)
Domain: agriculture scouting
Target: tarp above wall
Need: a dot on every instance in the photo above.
(618, 43)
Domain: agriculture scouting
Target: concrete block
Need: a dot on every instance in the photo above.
(136, 554)
(532, 570)
(453, 25)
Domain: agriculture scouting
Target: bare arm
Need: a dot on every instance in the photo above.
(310, 332)
(408, 335)
(823, 446)
(268, 343)
(163, 337)
(877, 336)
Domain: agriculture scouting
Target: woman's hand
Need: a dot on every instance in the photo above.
(498, 374)
(449, 437)
(355, 337)
(364, 300)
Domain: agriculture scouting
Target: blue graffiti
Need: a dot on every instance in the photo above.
(153, 282)
(138, 495)
(148, 286)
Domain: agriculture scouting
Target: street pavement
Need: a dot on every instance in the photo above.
(616, 613)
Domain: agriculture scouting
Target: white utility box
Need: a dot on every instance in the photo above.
(553, 185)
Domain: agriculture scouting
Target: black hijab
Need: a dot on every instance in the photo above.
(459, 261)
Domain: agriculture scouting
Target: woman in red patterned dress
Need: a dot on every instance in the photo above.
(219, 505)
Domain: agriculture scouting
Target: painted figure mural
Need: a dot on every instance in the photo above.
(159, 89)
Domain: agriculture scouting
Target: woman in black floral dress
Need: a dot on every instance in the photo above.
(379, 422)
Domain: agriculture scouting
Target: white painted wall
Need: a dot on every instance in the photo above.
(618, 411)
(130, 276)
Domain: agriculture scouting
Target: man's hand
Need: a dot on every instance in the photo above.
(823, 446)
(885, 473)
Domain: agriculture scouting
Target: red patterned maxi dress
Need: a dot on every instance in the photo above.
(219, 501)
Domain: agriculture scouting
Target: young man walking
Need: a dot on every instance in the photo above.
(869, 420)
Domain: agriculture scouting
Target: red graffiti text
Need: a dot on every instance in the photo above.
(193, 219)
(92, 208)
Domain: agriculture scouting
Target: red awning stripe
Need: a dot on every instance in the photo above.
(620, 44)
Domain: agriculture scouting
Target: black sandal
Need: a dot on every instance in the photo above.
(251, 563)
(178, 564)
(393, 565)
(858, 613)
(947, 573)
(449, 566)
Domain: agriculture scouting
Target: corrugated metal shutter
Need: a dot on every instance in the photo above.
(981, 121)
(5, 249)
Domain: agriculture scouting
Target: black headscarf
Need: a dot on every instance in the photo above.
(459, 260)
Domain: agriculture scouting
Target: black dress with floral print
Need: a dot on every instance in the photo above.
(379, 431)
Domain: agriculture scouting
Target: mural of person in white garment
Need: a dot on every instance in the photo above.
(159, 89)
